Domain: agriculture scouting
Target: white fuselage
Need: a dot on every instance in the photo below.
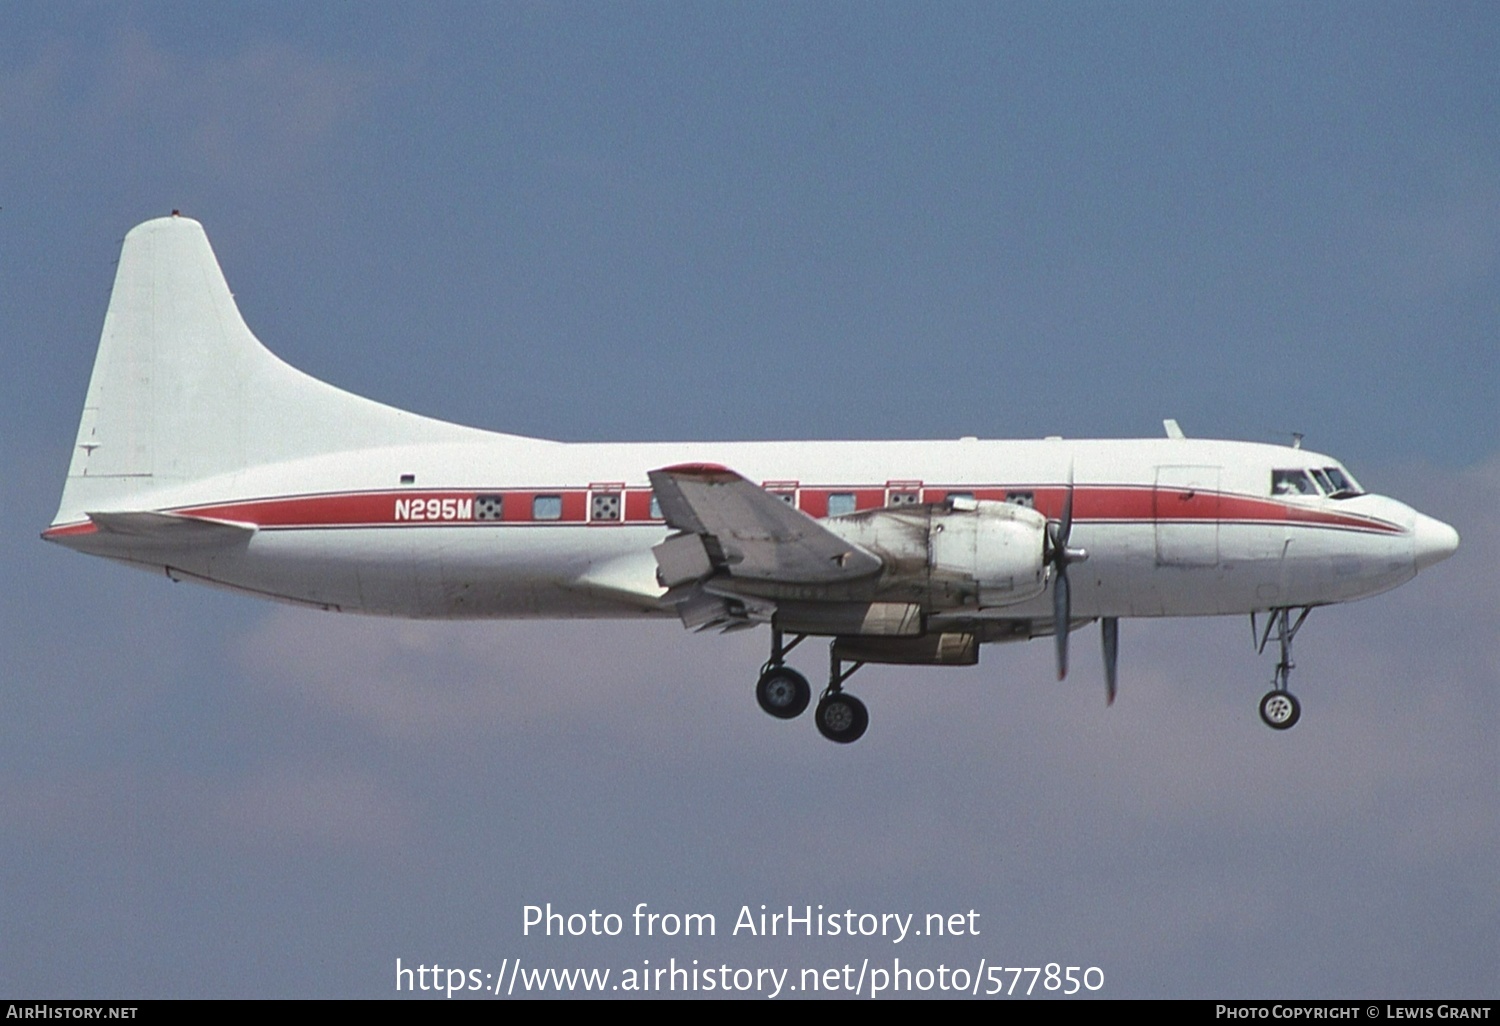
(201, 452)
(1173, 527)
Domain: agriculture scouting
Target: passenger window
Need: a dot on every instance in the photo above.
(655, 508)
(546, 507)
(840, 503)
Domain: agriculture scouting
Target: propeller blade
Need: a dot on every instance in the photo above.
(1060, 556)
(1065, 528)
(1061, 617)
(1109, 627)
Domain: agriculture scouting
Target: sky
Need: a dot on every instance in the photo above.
(744, 221)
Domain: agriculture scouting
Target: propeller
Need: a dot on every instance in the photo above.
(1059, 556)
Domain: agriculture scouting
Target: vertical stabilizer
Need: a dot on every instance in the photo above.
(182, 390)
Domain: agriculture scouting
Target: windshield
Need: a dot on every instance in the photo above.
(1344, 485)
(1334, 482)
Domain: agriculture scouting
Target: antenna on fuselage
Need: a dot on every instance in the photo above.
(1297, 436)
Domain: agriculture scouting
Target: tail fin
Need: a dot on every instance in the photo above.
(182, 390)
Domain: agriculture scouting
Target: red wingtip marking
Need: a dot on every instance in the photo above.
(698, 469)
(70, 530)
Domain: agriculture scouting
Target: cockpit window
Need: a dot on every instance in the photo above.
(1333, 482)
(1344, 486)
(1292, 482)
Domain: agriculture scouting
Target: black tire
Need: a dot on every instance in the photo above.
(842, 718)
(1280, 710)
(783, 692)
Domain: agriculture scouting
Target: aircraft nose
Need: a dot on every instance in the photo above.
(1432, 541)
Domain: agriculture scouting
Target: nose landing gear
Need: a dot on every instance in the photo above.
(1279, 708)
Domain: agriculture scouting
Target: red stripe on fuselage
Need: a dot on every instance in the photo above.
(1097, 503)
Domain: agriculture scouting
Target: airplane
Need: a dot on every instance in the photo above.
(203, 455)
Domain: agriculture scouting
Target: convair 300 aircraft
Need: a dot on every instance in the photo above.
(202, 454)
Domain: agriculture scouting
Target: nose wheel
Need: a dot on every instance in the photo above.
(1279, 709)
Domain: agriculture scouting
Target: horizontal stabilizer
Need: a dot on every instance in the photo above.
(172, 528)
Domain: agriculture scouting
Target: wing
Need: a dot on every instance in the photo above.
(728, 530)
(747, 532)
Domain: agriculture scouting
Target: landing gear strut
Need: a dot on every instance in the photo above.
(840, 717)
(784, 693)
(1279, 709)
(781, 690)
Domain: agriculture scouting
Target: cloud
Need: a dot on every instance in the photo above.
(292, 806)
(468, 682)
(264, 110)
(282, 803)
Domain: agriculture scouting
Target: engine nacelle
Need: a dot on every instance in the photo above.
(966, 552)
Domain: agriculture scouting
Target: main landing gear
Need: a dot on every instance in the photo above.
(781, 690)
(840, 717)
(1279, 709)
(785, 693)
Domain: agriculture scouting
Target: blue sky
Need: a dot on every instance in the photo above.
(745, 221)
